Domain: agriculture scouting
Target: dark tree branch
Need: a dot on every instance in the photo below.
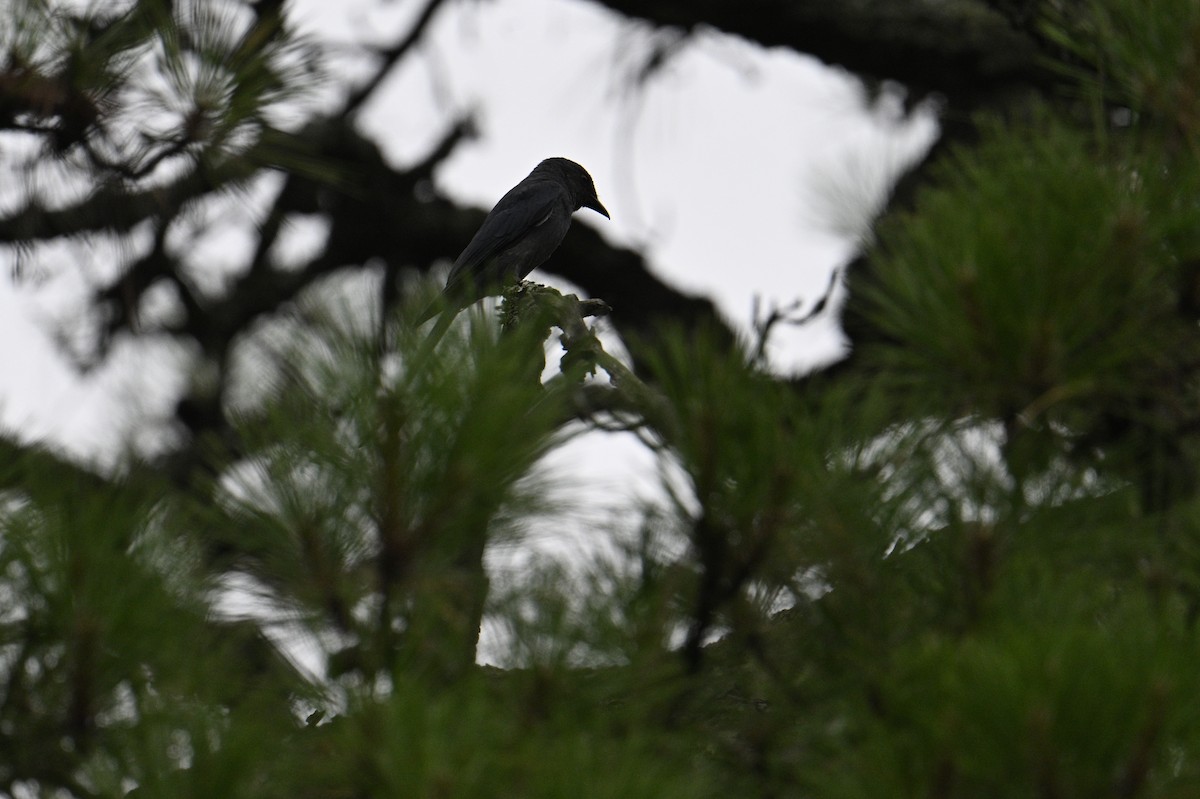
(125, 293)
(961, 49)
(113, 208)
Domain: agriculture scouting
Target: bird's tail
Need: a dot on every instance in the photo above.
(430, 311)
(429, 343)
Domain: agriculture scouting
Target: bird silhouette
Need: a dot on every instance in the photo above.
(518, 235)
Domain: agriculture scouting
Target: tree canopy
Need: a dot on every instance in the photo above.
(964, 561)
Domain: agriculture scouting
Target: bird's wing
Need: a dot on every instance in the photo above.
(526, 206)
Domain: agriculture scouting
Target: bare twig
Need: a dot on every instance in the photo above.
(391, 56)
(784, 315)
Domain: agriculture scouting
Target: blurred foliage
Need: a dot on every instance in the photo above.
(971, 571)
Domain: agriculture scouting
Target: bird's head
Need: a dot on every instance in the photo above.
(577, 180)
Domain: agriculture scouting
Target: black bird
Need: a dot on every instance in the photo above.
(519, 234)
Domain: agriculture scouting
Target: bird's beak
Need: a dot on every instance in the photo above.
(596, 206)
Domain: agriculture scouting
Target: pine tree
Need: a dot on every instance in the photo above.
(970, 567)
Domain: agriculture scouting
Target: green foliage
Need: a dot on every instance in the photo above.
(1139, 54)
(108, 655)
(969, 569)
(1002, 303)
(483, 741)
(390, 489)
(1068, 707)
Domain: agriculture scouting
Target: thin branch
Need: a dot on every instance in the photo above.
(391, 56)
(783, 315)
(146, 164)
(113, 208)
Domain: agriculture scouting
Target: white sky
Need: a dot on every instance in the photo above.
(739, 171)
